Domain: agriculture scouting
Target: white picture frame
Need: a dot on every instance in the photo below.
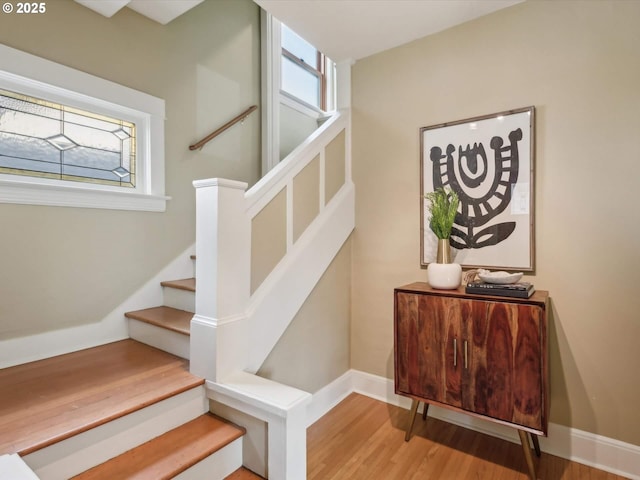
(489, 162)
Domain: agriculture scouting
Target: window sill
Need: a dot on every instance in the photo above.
(72, 196)
(300, 106)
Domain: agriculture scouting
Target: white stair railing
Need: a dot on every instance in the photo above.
(248, 294)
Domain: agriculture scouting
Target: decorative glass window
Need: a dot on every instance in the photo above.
(49, 140)
(71, 139)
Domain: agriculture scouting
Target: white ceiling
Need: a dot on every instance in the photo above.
(354, 29)
(342, 29)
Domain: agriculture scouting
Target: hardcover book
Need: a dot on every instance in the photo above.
(517, 290)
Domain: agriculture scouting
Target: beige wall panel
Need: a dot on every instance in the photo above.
(314, 349)
(578, 63)
(334, 168)
(268, 238)
(69, 266)
(306, 197)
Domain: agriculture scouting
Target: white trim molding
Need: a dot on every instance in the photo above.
(270, 62)
(572, 444)
(283, 408)
(12, 467)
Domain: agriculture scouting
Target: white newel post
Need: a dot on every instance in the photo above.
(289, 460)
(223, 249)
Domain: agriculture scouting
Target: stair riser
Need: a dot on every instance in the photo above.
(180, 299)
(81, 452)
(216, 466)
(161, 338)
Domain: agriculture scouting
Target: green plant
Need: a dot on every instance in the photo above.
(443, 205)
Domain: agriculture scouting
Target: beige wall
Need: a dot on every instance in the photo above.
(334, 164)
(306, 197)
(295, 127)
(579, 64)
(268, 238)
(67, 266)
(314, 349)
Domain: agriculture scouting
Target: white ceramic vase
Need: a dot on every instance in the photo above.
(443, 274)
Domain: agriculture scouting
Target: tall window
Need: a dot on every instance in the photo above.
(298, 90)
(303, 69)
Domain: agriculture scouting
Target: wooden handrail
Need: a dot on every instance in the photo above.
(227, 125)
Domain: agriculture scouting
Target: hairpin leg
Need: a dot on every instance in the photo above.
(536, 444)
(414, 410)
(425, 407)
(526, 448)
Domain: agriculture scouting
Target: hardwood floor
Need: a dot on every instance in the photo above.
(243, 474)
(362, 438)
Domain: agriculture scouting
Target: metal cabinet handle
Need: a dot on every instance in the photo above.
(455, 352)
(466, 355)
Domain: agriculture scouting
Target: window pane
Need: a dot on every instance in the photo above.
(299, 47)
(45, 139)
(300, 83)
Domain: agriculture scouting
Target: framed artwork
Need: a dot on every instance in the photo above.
(488, 162)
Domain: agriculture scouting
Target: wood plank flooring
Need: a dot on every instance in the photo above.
(363, 439)
(50, 400)
(243, 474)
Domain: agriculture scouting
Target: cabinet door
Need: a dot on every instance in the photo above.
(453, 313)
(504, 376)
(426, 327)
(418, 348)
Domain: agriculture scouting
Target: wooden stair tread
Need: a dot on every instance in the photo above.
(188, 284)
(57, 398)
(165, 317)
(169, 454)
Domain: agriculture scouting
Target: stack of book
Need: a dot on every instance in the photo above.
(518, 290)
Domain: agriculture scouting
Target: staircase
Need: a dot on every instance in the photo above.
(167, 327)
(189, 451)
(122, 410)
(111, 412)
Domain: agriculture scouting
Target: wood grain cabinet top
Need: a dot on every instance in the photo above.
(482, 355)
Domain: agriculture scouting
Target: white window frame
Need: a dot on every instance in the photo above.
(34, 76)
(272, 96)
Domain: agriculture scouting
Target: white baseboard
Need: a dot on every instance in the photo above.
(576, 445)
(113, 327)
(329, 396)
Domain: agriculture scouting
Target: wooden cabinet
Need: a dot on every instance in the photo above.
(482, 355)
